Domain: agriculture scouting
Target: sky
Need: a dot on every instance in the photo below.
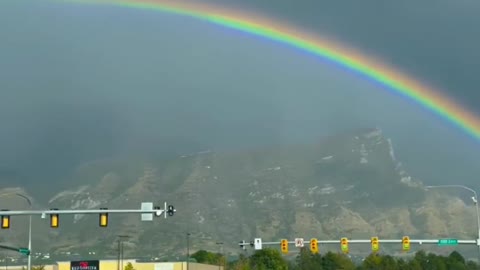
(80, 83)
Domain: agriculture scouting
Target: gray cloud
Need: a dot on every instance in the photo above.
(81, 83)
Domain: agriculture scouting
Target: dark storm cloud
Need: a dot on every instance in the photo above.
(434, 40)
(82, 83)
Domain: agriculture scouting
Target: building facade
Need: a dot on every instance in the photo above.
(114, 265)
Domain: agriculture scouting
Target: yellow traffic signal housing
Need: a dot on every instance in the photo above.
(54, 220)
(5, 221)
(103, 219)
(314, 245)
(284, 246)
(406, 243)
(344, 245)
(375, 244)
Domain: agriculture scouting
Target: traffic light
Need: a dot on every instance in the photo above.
(54, 219)
(5, 221)
(344, 245)
(103, 219)
(284, 246)
(406, 243)
(314, 245)
(375, 244)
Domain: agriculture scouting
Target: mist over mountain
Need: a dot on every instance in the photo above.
(84, 83)
(348, 185)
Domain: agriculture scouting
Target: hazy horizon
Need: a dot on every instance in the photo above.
(81, 83)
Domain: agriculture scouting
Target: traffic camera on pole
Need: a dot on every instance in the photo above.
(284, 246)
(375, 244)
(314, 245)
(103, 218)
(344, 245)
(171, 210)
(54, 219)
(406, 243)
(5, 220)
(243, 244)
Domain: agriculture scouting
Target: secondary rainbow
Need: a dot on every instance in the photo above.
(394, 80)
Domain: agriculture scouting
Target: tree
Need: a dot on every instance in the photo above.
(305, 260)
(38, 267)
(337, 261)
(203, 256)
(129, 266)
(372, 262)
(243, 263)
(271, 259)
(268, 259)
(388, 263)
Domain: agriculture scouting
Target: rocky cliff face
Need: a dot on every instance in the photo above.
(349, 185)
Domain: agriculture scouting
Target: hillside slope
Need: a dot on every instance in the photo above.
(348, 185)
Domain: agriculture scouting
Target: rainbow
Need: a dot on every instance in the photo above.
(394, 80)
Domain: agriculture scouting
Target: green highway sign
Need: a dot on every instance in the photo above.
(24, 251)
(447, 242)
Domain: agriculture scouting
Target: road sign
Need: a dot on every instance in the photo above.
(24, 251)
(447, 242)
(258, 243)
(147, 206)
(299, 242)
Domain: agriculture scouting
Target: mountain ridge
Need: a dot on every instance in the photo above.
(347, 185)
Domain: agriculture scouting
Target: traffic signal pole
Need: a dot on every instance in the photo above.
(43, 213)
(21, 250)
(344, 243)
(147, 210)
(368, 241)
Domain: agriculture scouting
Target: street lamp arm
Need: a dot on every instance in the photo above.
(29, 259)
(25, 197)
(451, 186)
(476, 202)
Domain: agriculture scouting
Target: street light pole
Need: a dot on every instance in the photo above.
(188, 249)
(121, 239)
(475, 201)
(29, 258)
(220, 254)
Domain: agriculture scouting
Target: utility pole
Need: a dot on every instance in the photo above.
(118, 257)
(188, 249)
(220, 252)
(121, 239)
